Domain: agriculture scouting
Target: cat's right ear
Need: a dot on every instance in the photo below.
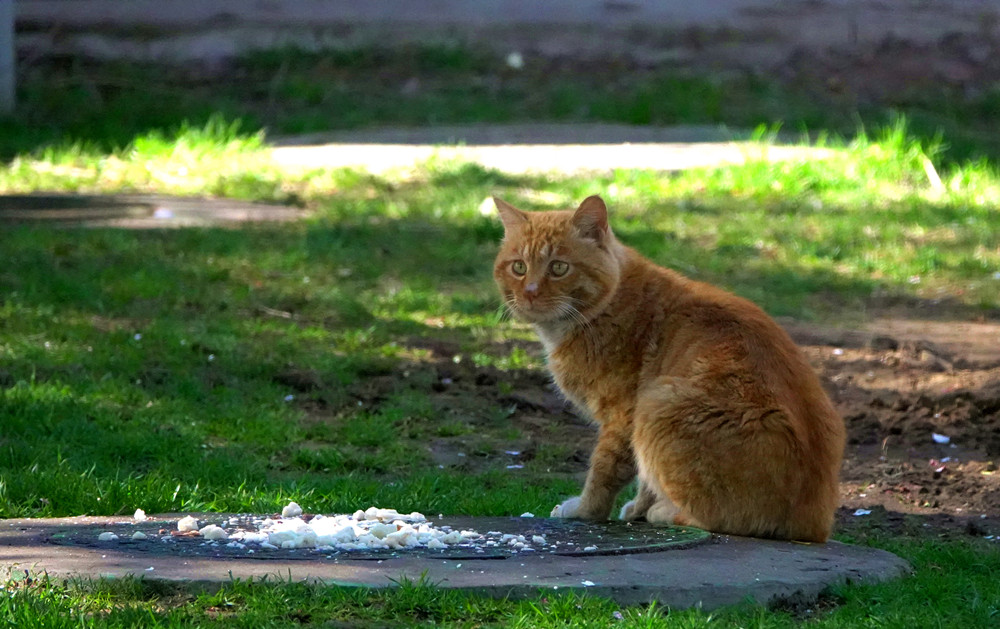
(512, 217)
(591, 219)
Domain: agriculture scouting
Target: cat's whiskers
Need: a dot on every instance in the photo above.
(507, 306)
(566, 308)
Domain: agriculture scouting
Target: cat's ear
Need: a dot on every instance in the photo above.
(512, 217)
(591, 219)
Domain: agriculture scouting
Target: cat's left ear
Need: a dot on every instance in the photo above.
(512, 217)
(591, 219)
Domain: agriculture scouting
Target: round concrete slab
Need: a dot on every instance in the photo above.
(723, 571)
(136, 211)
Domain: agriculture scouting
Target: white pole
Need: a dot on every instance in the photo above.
(6, 56)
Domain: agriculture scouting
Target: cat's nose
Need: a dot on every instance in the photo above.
(531, 290)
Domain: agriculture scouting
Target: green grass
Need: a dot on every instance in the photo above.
(162, 360)
(221, 370)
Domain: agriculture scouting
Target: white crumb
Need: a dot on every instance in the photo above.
(291, 510)
(213, 532)
(187, 523)
(107, 536)
(140, 516)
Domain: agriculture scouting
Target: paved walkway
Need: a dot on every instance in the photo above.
(724, 571)
(563, 149)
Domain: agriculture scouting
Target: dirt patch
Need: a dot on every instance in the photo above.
(922, 408)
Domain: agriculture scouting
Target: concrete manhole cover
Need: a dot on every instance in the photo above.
(497, 538)
(690, 572)
(135, 211)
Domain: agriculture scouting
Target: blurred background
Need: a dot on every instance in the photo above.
(103, 71)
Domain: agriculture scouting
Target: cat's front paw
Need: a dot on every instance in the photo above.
(568, 509)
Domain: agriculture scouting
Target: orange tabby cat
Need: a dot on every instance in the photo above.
(695, 390)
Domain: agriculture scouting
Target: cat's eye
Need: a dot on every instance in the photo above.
(559, 268)
(519, 267)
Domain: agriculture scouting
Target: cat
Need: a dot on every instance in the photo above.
(696, 391)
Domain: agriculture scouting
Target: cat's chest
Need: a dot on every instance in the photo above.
(599, 377)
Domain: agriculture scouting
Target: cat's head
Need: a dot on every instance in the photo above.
(557, 266)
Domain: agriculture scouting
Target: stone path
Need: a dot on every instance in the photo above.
(723, 571)
(563, 149)
(137, 211)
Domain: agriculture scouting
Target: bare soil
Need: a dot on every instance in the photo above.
(903, 387)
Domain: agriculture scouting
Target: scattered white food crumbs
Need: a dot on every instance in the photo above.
(150, 568)
(268, 546)
(527, 514)
(838, 352)
(588, 584)
(107, 536)
(862, 512)
(291, 510)
(187, 523)
(436, 544)
(213, 532)
(138, 535)
(140, 516)
(537, 539)
(589, 549)
(940, 438)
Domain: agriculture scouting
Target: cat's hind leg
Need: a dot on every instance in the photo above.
(636, 508)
